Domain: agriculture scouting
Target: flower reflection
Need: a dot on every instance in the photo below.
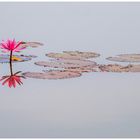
(13, 79)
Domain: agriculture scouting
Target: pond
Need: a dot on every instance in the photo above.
(77, 103)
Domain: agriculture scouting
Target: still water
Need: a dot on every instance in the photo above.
(93, 105)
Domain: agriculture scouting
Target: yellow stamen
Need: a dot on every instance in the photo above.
(14, 58)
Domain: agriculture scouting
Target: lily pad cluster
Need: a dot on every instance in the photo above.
(71, 63)
(130, 58)
(75, 63)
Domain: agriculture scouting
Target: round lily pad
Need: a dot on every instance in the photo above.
(85, 69)
(81, 69)
(125, 58)
(111, 68)
(73, 55)
(32, 44)
(119, 68)
(65, 63)
(15, 58)
(54, 74)
(133, 68)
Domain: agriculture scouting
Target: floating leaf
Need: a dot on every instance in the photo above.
(32, 44)
(119, 68)
(111, 68)
(66, 63)
(134, 68)
(54, 74)
(85, 69)
(125, 58)
(15, 58)
(73, 55)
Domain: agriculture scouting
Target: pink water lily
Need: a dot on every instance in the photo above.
(11, 45)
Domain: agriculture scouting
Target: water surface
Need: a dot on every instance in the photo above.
(93, 105)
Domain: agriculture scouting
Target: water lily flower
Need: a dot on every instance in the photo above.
(11, 46)
(12, 80)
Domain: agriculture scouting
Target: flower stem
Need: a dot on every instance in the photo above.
(11, 53)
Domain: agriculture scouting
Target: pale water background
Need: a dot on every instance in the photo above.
(94, 105)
